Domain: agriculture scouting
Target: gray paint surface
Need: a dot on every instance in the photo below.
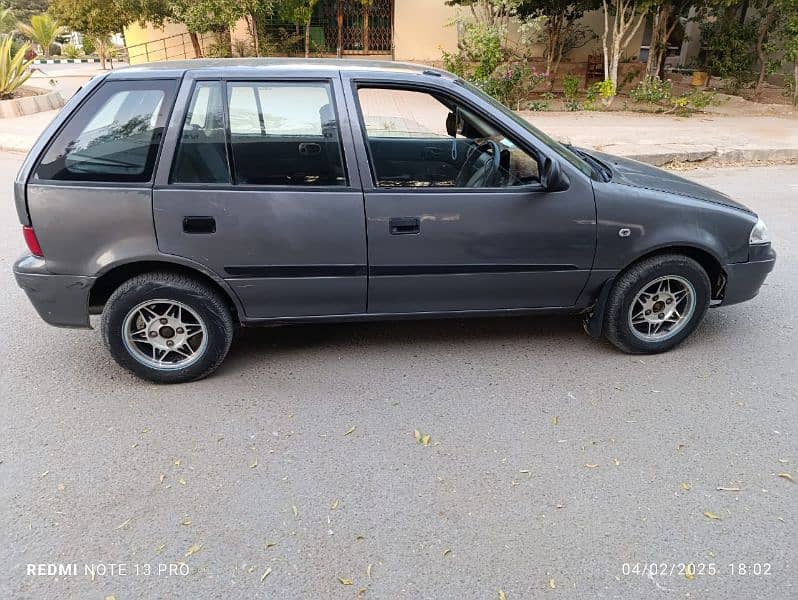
(560, 236)
(719, 411)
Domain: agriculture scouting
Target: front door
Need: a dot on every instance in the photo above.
(259, 192)
(457, 219)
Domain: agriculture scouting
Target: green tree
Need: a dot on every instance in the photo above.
(42, 30)
(622, 21)
(562, 31)
(299, 12)
(788, 10)
(7, 19)
(97, 19)
(217, 16)
(25, 9)
(664, 19)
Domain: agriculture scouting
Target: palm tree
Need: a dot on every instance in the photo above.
(43, 30)
(6, 20)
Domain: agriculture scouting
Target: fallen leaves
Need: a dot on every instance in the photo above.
(502, 595)
(295, 510)
(345, 581)
(254, 464)
(368, 571)
(192, 550)
(786, 476)
(351, 430)
(686, 486)
(712, 516)
(266, 573)
(334, 504)
(447, 552)
(125, 524)
(591, 466)
(424, 439)
(552, 584)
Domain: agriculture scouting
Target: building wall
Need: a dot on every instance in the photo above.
(135, 34)
(422, 28)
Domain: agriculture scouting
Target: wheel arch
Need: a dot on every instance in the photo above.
(114, 276)
(703, 256)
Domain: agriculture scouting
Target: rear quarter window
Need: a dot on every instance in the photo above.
(113, 136)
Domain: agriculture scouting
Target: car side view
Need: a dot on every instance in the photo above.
(181, 199)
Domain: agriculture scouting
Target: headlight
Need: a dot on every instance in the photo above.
(759, 234)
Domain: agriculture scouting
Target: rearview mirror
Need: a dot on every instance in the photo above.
(552, 177)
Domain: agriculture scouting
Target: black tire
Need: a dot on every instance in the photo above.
(197, 296)
(617, 326)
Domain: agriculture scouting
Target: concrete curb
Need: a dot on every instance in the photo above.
(64, 61)
(28, 105)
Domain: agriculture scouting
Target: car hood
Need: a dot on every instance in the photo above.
(630, 172)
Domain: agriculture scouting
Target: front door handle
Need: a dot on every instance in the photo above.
(405, 226)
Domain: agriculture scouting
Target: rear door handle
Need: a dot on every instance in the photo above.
(197, 225)
(405, 226)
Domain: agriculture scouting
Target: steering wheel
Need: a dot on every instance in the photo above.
(481, 165)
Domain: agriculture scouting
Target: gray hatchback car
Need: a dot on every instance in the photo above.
(181, 199)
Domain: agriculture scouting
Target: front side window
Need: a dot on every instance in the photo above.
(114, 136)
(420, 139)
(284, 134)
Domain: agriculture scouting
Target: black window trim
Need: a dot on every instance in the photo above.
(233, 185)
(358, 83)
(32, 178)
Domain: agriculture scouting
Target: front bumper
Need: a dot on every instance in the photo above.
(61, 300)
(743, 280)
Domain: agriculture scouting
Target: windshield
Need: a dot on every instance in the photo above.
(560, 149)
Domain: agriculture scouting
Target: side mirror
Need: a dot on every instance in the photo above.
(552, 177)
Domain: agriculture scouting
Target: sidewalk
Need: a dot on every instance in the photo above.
(655, 139)
(661, 139)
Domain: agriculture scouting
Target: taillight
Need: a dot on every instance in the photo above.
(31, 241)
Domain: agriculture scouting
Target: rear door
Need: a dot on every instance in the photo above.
(255, 185)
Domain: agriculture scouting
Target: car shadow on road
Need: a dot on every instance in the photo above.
(256, 343)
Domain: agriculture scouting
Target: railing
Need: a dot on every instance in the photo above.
(173, 47)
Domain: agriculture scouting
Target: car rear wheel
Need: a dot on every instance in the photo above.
(656, 304)
(167, 328)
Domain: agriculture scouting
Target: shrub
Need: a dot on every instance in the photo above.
(88, 45)
(13, 68)
(652, 90)
(730, 47)
(537, 105)
(70, 51)
(570, 86)
(700, 99)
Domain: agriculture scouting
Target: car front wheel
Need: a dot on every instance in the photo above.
(167, 328)
(656, 304)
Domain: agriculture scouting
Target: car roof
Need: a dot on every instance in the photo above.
(250, 66)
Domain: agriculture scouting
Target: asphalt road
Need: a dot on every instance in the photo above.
(553, 462)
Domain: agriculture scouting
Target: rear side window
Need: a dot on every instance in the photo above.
(270, 133)
(202, 154)
(284, 133)
(114, 136)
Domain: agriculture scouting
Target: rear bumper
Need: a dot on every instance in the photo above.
(61, 300)
(745, 279)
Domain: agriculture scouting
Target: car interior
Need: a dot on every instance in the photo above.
(471, 154)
